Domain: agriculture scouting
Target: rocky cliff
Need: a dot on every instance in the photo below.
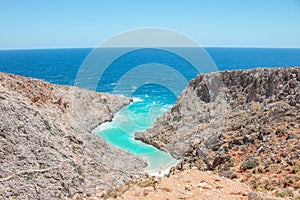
(46, 149)
(240, 124)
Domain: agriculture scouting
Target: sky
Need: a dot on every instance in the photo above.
(74, 23)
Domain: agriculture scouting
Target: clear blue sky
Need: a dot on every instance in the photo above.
(71, 23)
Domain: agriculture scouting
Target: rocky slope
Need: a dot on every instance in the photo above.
(191, 185)
(240, 124)
(46, 149)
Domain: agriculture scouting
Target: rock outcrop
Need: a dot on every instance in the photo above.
(240, 124)
(46, 148)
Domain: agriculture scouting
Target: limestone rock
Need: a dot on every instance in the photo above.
(46, 148)
(223, 119)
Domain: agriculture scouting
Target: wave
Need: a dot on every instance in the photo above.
(101, 127)
(137, 99)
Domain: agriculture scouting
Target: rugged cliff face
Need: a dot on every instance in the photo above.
(46, 149)
(242, 124)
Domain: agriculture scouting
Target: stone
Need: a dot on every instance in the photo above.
(248, 139)
(229, 174)
(290, 137)
(47, 150)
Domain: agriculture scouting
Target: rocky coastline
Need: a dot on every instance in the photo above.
(242, 124)
(46, 148)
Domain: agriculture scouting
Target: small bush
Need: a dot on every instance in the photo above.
(295, 170)
(284, 193)
(249, 164)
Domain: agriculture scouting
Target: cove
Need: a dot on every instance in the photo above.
(136, 117)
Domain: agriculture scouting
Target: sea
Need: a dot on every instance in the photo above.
(151, 98)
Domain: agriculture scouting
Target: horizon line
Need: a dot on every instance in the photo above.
(208, 46)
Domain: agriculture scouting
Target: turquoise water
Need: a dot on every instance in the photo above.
(60, 66)
(138, 116)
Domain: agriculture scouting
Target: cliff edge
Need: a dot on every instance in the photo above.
(46, 148)
(240, 124)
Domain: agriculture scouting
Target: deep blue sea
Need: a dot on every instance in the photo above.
(61, 66)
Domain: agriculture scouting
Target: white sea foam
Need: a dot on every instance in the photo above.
(136, 99)
(163, 170)
(102, 127)
(166, 107)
